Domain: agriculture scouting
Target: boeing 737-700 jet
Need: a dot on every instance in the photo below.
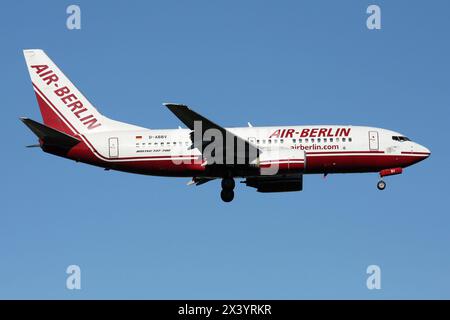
(270, 159)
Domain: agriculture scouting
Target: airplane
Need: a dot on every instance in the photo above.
(269, 159)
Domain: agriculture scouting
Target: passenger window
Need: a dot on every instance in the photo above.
(349, 139)
(331, 139)
(306, 140)
(312, 140)
(269, 141)
(264, 141)
(325, 140)
(318, 140)
(299, 140)
(343, 139)
(281, 140)
(257, 141)
(337, 139)
(293, 140)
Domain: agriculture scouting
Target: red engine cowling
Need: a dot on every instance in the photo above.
(276, 161)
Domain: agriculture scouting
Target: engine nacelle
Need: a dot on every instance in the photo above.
(283, 183)
(276, 161)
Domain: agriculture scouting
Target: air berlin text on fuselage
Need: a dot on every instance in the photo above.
(311, 133)
(68, 98)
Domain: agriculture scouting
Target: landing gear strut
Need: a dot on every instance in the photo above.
(227, 193)
(381, 185)
(387, 172)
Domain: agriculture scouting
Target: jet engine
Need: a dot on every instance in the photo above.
(280, 183)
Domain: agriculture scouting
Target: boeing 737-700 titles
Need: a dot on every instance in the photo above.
(270, 159)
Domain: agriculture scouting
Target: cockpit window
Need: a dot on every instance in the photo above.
(400, 138)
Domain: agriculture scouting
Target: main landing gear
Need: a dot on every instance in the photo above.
(227, 193)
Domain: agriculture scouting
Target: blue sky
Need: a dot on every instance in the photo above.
(268, 62)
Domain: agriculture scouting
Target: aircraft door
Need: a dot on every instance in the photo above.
(373, 140)
(114, 147)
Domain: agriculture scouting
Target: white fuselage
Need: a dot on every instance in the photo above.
(375, 148)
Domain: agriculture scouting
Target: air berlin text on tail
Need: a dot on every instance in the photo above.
(69, 99)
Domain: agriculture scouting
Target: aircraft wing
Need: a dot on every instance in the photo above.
(189, 117)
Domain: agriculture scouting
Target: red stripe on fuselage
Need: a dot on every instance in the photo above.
(357, 163)
(344, 152)
(416, 153)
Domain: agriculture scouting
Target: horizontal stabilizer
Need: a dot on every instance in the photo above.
(50, 136)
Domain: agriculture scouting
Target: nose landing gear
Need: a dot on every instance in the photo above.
(381, 185)
(227, 193)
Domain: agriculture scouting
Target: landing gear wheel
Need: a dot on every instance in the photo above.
(228, 183)
(227, 195)
(381, 185)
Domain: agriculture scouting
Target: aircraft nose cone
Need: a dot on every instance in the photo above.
(426, 152)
